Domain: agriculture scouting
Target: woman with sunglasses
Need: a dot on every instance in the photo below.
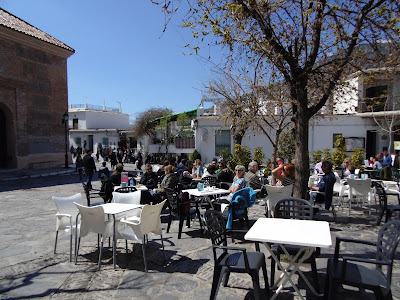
(238, 182)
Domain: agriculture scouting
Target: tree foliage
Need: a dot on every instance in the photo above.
(308, 45)
(143, 124)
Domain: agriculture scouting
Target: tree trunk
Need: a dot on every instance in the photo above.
(302, 161)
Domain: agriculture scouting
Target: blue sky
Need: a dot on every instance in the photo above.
(121, 53)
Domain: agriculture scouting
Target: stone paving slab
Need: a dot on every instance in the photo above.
(29, 269)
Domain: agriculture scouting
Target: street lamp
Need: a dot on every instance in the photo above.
(65, 122)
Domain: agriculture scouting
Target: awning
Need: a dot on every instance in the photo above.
(172, 117)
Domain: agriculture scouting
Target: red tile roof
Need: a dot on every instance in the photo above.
(9, 20)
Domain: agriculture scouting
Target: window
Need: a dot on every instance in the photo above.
(105, 142)
(74, 123)
(78, 142)
(222, 140)
(376, 97)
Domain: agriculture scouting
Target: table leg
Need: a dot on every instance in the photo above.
(287, 274)
(114, 242)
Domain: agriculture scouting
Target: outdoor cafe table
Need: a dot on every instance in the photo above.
(205, 193)
(115, 209)
(307, 234)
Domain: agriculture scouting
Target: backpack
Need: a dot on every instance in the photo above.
(185, 202)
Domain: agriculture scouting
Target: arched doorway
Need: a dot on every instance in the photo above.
(3, 141)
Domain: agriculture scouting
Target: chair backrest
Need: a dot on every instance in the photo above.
(388, 240)
(175, 203)
(293, 208)
(216, 227)
(92, 219)
(276, 193)
(150, 218)
(65, 205)
(380, 190)
(211, 180)
(126, 189)
(359, 187)
(129, 198)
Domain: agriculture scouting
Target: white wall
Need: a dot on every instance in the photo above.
(88, 119)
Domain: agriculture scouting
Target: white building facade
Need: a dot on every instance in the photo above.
(94, 127)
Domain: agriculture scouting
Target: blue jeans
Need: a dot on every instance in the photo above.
(89, 175)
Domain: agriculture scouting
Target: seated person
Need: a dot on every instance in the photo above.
(325, 185)
(160, 173)
(225, 174)
(149, 178)
(347, 168)
(376, 165)
(238, 183)
(115, 177)
(318, 167)
(199, 170)
(284, 173)
(185, 180)
(104, 170)
(210, 171)
(170, 179)
(252, 179)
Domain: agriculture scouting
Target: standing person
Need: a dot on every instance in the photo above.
(325, 185)
(387, 159)
(90, 167)
(177, 161)
(251, 177)
(113, 160)
(79, 166)
(287, 174)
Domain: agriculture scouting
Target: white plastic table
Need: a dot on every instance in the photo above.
(114, 209)
(307, 234)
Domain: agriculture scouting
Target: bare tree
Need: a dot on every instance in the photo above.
(143, 124)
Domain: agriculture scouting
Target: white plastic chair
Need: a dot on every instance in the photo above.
(129, 198)
(340, 189)
(138, 229)
(276, 193)
(66, 217)
(360, 188)
(92, 219)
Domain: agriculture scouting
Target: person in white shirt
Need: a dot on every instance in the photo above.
(318, 167)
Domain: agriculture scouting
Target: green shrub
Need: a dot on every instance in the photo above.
(339, 154)
(358, 157)
(327, 154)
(241, 156)
(195, 155)
(315, 156)
(258, 155)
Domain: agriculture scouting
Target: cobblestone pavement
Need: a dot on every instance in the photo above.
(30, 269)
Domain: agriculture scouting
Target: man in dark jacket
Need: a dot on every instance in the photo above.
(325, 185)
(149, 178)
(89, 166)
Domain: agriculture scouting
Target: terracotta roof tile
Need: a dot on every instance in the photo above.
(9, 20)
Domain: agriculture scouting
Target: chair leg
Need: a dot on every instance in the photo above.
(273, 271)
(55, 244)
(226, 279)
(181, 220)
(217, 278)
(265, 274)
(100, 250)
(314, 273)
(163, 249)
(327, 286)
(256, 284)
(144, 253)
(388, 215)
(381, 213)
(70, 247)
(77, 244)
(169, 222)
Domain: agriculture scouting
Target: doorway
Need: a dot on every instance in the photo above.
(370, 144)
